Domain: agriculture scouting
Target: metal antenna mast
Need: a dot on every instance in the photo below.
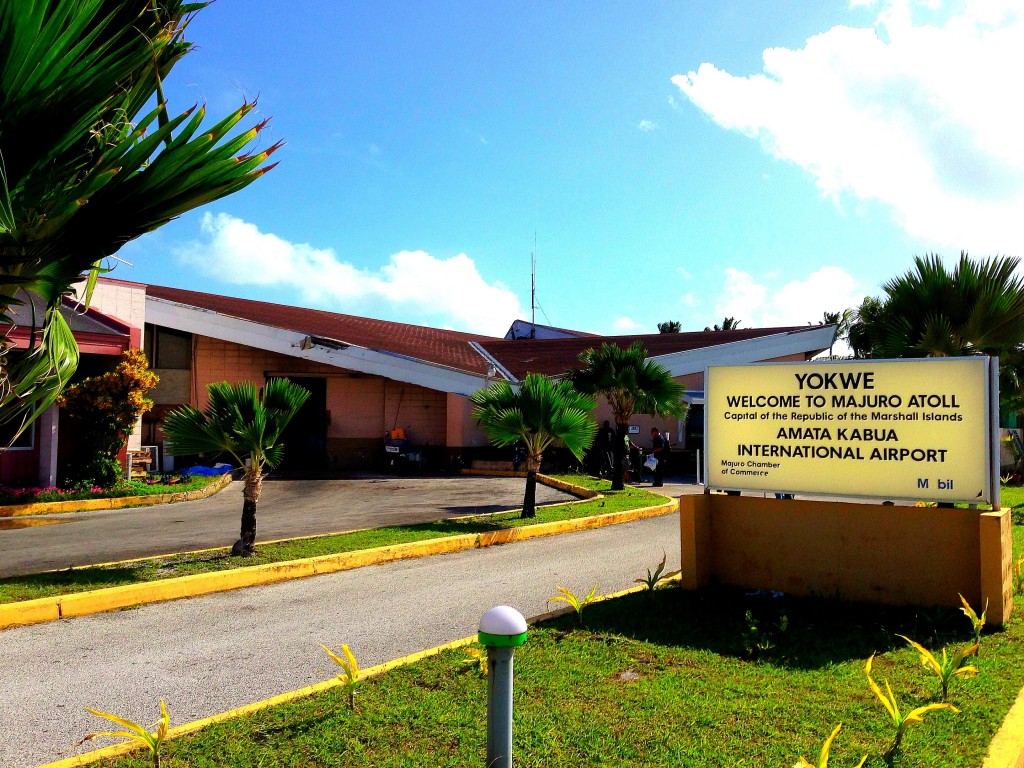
(533, 287)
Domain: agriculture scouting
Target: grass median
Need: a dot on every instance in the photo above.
(86, 578)
(658, 679)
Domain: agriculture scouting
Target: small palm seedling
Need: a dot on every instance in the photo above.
(899, 720)
(152, 740)
(658, 576)
(574, 602)
(977, 622)
(476, 658)
(949, 668)
(823, 757)
(350, 675)
(757, 641)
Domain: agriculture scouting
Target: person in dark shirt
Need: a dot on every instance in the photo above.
(659, 450)
(603, 448)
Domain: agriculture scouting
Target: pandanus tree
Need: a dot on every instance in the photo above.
(90, 158)
(244, 424)
(537, 413)
(632, 384)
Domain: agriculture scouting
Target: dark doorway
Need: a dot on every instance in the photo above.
(305, 438)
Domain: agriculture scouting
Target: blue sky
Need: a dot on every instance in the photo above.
(677, 160)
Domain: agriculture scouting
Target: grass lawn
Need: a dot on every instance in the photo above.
(84, 579)
(1012, 496)
(653, 680)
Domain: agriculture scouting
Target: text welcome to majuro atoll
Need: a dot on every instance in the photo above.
(840, 416)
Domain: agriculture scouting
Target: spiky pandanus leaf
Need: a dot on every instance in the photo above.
(31, 380)
(83, 168)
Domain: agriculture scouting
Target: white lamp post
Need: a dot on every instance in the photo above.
(502, 630)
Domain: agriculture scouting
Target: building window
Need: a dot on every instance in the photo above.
(26, 440)
(168, 349)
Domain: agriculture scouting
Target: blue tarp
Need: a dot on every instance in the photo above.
(216, 469)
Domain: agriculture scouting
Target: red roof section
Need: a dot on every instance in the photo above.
(434, 345)
(552, 357)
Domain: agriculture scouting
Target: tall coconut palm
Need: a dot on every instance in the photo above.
(728, 324)
(841, 320)
(243, 423)
(537, 413)
(632, 384)
(90, 158)
(670, 326)
(865, 327)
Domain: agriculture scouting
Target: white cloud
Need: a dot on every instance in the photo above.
(625, 325)
(798, 302)
(647, 126)
(921, 117)
(413, 286)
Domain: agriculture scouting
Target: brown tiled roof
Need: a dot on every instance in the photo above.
(555, 356)
(434, 345)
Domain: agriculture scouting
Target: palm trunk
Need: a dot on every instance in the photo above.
(530, 499)
(246, 544)
(619, 450)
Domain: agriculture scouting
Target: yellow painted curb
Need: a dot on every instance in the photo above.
(492, 472)
(115, 750)
(119, 502)
(576, 490)
(85, 603)
(1007, 747)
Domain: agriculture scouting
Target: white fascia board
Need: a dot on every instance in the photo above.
(748, 350)
(492, 360)
(205, 322)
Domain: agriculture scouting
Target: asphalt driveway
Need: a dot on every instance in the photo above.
(287, 508)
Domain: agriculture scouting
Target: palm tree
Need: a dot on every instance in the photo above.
(670, 326)
(242, 423)
(90, 158)
(538, 413)
(841, 320)
(864, 328)
(932, 312)
(728, 324)
(977, 308)
(632, 384)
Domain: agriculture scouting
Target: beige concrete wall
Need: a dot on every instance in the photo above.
(864, 552)
(124, 301)
(174, 387)
(463, 430)
(361, 408)
(421, 412)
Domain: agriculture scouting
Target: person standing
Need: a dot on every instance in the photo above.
(659, 450)
(603, 449)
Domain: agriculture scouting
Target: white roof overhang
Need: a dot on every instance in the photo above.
(814, 339)
(318, 349)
